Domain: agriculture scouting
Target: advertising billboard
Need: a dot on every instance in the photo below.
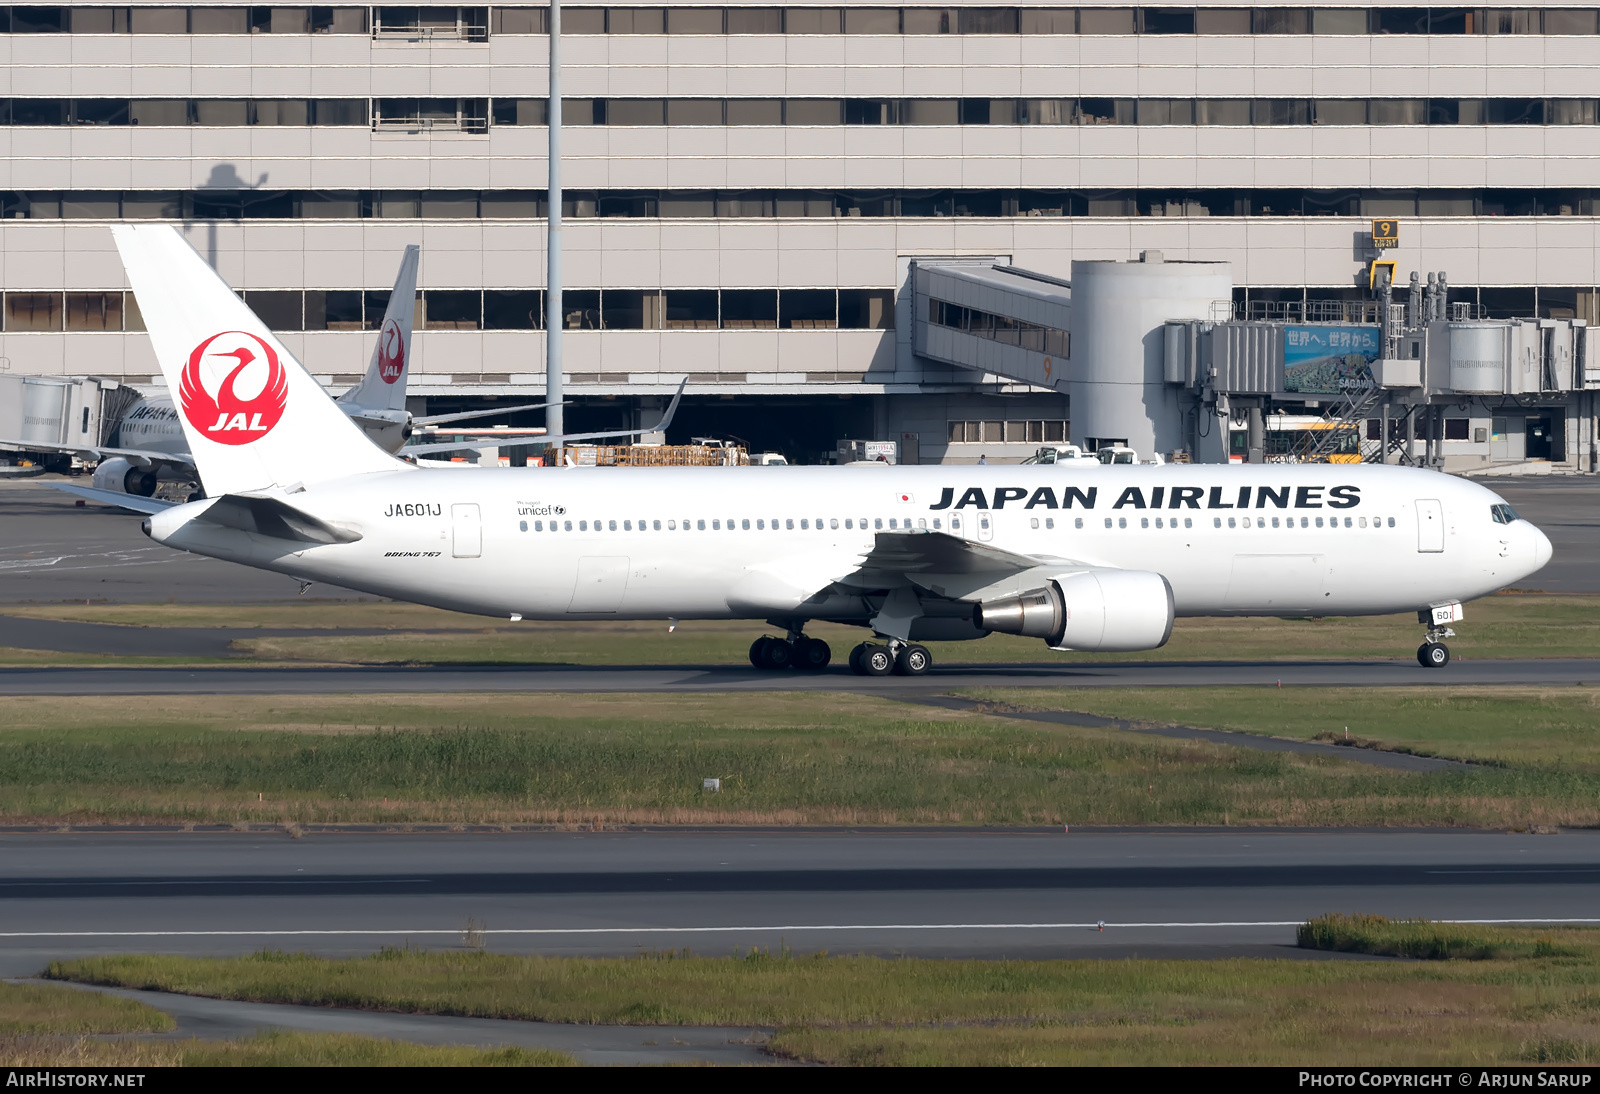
(1325, 360)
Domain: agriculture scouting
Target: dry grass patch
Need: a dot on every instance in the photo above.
(32, 1009)
(1523, 1005)
(783, 759)
(1557, 729)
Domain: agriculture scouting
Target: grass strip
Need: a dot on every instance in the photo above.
(272, 1048)
(51, 1025)
(51, 1009)
(1498, 627)
(1524, 1007)
(1427, 940)
(1530, 728)
(630, 759)
(281, 1048)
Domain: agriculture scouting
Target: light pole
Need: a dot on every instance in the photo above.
(554, 317)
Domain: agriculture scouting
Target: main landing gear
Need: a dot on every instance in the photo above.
(900, 658)
(794, 652)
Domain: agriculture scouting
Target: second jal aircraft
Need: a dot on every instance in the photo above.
(1102, 558)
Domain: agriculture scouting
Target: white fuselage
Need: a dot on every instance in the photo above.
(733, 542)
(152, 424)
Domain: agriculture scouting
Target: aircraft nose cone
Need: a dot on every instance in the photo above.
(1542, 551)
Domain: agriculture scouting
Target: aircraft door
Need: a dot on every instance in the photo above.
(1430, 526)
(601, 582)
(466, 526)
(985, 524)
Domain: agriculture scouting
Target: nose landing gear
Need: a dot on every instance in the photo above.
(1433, 653)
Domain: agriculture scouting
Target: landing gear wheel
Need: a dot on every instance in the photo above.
(875, 660)
(1433, 655)
(913, 661)
(777, 655)
(755, 650)
(855, 659)
(812, 654)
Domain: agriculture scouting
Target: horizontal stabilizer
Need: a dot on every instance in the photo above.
(273, 518)
(132, 502)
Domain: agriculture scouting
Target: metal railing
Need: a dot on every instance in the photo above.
(1310, 311)
(461, 32)
(419, 124)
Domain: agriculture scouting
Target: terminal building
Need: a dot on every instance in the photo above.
(908, 224)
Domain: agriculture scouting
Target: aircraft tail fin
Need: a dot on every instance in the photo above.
(384, 385)
(253, 416)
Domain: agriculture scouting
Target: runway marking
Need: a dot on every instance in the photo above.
(715, 930)
(1551, 870)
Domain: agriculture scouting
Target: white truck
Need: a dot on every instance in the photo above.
(1062, 453)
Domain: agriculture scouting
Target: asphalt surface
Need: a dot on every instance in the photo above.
(403, 680)
(1567, 509)
(223, 1019)
(935, 893)
(53, 550)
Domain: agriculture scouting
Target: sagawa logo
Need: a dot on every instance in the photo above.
(391, 352)
(234, 388)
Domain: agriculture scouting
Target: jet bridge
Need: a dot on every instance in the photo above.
(994, 319)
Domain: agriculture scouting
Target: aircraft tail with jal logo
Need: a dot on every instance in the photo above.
(384, 385)
(253, 416)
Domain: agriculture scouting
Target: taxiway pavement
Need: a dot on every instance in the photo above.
(406, 680)
(1041, 893)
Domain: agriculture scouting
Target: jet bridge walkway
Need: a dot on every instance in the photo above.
(1009, 322)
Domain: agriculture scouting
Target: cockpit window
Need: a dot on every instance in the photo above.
(1503, 513)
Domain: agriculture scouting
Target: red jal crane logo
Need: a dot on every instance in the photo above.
(234, 388)
(391, 352)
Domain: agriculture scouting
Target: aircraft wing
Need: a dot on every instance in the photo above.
(948, 566)
(466, 415)
(552, 442)
(132, 502)
(97, 453)
(911, 553)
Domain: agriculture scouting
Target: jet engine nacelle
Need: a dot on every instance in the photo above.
(124, 477)
(1098, 610)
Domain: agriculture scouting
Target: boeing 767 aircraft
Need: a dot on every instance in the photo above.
(1092, 559)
